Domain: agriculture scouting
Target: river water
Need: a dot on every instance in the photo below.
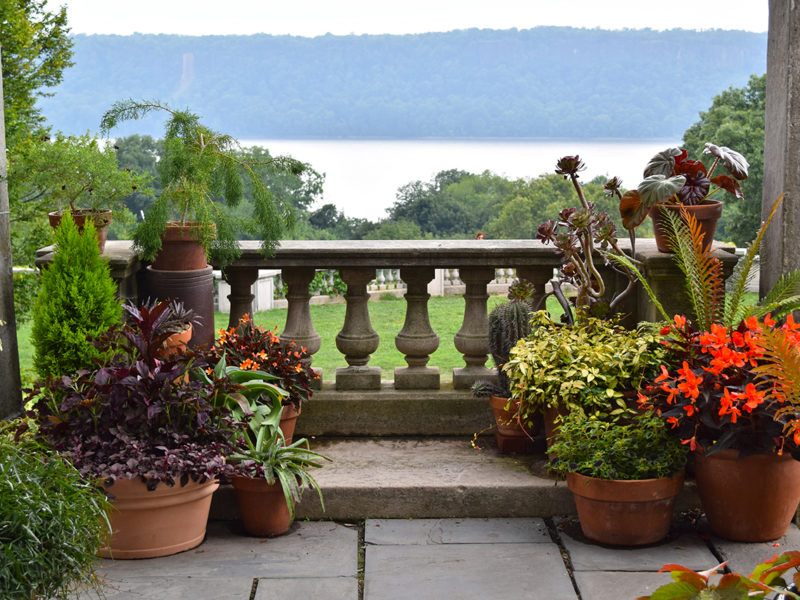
(362, 176)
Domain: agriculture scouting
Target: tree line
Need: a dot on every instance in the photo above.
(540, 82)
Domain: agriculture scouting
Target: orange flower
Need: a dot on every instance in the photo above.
(689, 386)
(680, 321)
(753, 397)
(248, 365)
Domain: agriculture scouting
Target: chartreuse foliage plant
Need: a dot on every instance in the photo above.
(639, 449)
(52, 522)
(77, 299)
(777, 575)
(584, 367)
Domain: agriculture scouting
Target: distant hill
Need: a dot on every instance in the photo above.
(541, 82)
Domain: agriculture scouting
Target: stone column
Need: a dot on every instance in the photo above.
(539, 277)
(472, 340)
(241, 280)
(780, 252)
(299, 327)
(357, 339)
(417, 340)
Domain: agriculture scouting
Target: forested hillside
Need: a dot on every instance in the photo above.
(542, 82)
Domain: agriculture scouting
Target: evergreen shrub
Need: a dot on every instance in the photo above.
(77, 299)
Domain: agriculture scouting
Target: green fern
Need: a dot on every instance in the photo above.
(702, 270)
(779, 373)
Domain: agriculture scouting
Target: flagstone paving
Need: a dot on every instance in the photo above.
(421, 559)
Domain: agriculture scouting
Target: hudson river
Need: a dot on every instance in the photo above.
(362, 176)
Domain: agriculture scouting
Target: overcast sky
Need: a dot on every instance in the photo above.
(342, 17)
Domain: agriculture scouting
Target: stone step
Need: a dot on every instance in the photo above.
(428, 478)
(390, 412)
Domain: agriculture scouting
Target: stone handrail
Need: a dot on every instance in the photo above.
(357, 261)
(476, 261)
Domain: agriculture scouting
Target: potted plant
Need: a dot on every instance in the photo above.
(672, 181)
(77, 300)
(198, 166)
(157, 438)
(625, 477)
(509, 322)
(253, 348)
(591, 367)
(724, 390)
(270, 474)
(53, 522)
(76, 174)
(768, 577)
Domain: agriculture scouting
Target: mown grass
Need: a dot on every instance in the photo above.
(387, 316)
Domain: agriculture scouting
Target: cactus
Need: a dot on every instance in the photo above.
(508, 323)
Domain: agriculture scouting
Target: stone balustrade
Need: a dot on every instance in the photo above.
(411, 264)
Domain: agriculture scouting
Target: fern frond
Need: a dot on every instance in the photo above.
(786, 287)
(779, 374)
(701, 269)
(778, 309)
(628, 264)
(742, 275)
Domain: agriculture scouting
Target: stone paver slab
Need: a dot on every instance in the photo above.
(310, 549)
(455, 531)
(158, 587)
(618, 585)
(687, 549)
(742, 557)
(323, 588)
(466, 572)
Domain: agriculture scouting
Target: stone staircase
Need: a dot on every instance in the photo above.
(407, 454)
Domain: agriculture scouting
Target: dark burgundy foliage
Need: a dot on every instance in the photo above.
(138, 415)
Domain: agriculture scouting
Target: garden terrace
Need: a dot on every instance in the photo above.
(358, 402)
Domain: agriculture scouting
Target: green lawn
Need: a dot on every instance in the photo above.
(387, 316)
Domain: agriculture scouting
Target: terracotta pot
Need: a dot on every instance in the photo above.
(625, 513)
(176, 343)
(262, 506)
(288, 422)
(158, 523)
(510, 436)
(180, 249)
(101, 219)
(707, 215)
(752, 499)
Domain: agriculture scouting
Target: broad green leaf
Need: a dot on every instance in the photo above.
(656, 189)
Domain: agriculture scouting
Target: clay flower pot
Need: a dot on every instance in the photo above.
(707, 215)
(751, 499)
(181, 249)
(100, 219)
(509, 434)
(165, 521)
(625, 513)
(288, 421)
(262, 506)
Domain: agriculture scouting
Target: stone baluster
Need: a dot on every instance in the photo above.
(380, 280)
(299, 326)
(417, 340)
(241, 280)
(539, 276)
(357, 340)
(472, 340)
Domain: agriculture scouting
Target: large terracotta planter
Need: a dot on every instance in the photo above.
(625, 513)
(180, 249)
(101, 220)
(510, 436)
(159, 523)
(752, 499)
(707, 215)
(262, 506)
(288, 421)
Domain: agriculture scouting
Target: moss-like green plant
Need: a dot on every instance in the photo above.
(640, 449)
(53, 522)
(77, 299)
(198, 167)
(583, 367)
